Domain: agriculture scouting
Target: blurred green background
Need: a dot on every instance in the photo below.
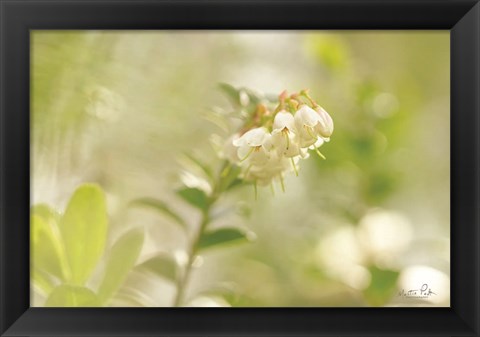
(120, 109)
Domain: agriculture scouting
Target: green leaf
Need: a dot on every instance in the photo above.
(232, 93)
(122, 258)
(162, 265)
(161, 207)
(47, 250)
(195, 197)
(72, 296)
(224, 236)
(234, 183)
(46, 213)
(382, 286)
(229, 177)
(84, 231)
(205, 168)
(253, 97)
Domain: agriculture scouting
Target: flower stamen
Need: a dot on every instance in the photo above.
(294, 166)
(248, 154)
(309, 131)
(247, 171)
(320, 154)
(285, 132)
(282, 183)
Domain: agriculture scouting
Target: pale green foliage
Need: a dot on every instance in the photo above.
(122, 258)
(67, 249)
(84, 231)
(72, 296)
(162, 265)
(47, 248)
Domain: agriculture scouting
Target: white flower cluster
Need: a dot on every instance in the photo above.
(267, 152)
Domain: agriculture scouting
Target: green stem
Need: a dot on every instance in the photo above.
(183, 280)
(193, 249)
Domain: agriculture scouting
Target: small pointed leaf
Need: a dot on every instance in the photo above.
(229, 177)
(234, 183)
(195, 197)
(204, 167)
(222, 236)
(232, 93)
(162, 265)
(161, 207)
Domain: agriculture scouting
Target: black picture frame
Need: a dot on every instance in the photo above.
(18, 17)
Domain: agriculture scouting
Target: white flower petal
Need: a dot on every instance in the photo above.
(243, 152)
(319, 142)
(259, 157)
(306, 140)
(306, 116)
(253, 137)
(304, 154)
(325, 125)
(284, 119)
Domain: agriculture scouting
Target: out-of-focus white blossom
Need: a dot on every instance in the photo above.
(385, 234)
(426, 279)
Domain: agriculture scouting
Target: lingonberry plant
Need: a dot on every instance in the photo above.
(273, 136)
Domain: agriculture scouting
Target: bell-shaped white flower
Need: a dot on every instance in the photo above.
(312, 124)
(306, 121)
(320, 141)
(276, 166)
(265, 156)
(325, 125)
(254, 145)
(284, 137)
(284, 120)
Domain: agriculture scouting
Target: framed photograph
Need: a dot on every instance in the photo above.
(268, 168)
